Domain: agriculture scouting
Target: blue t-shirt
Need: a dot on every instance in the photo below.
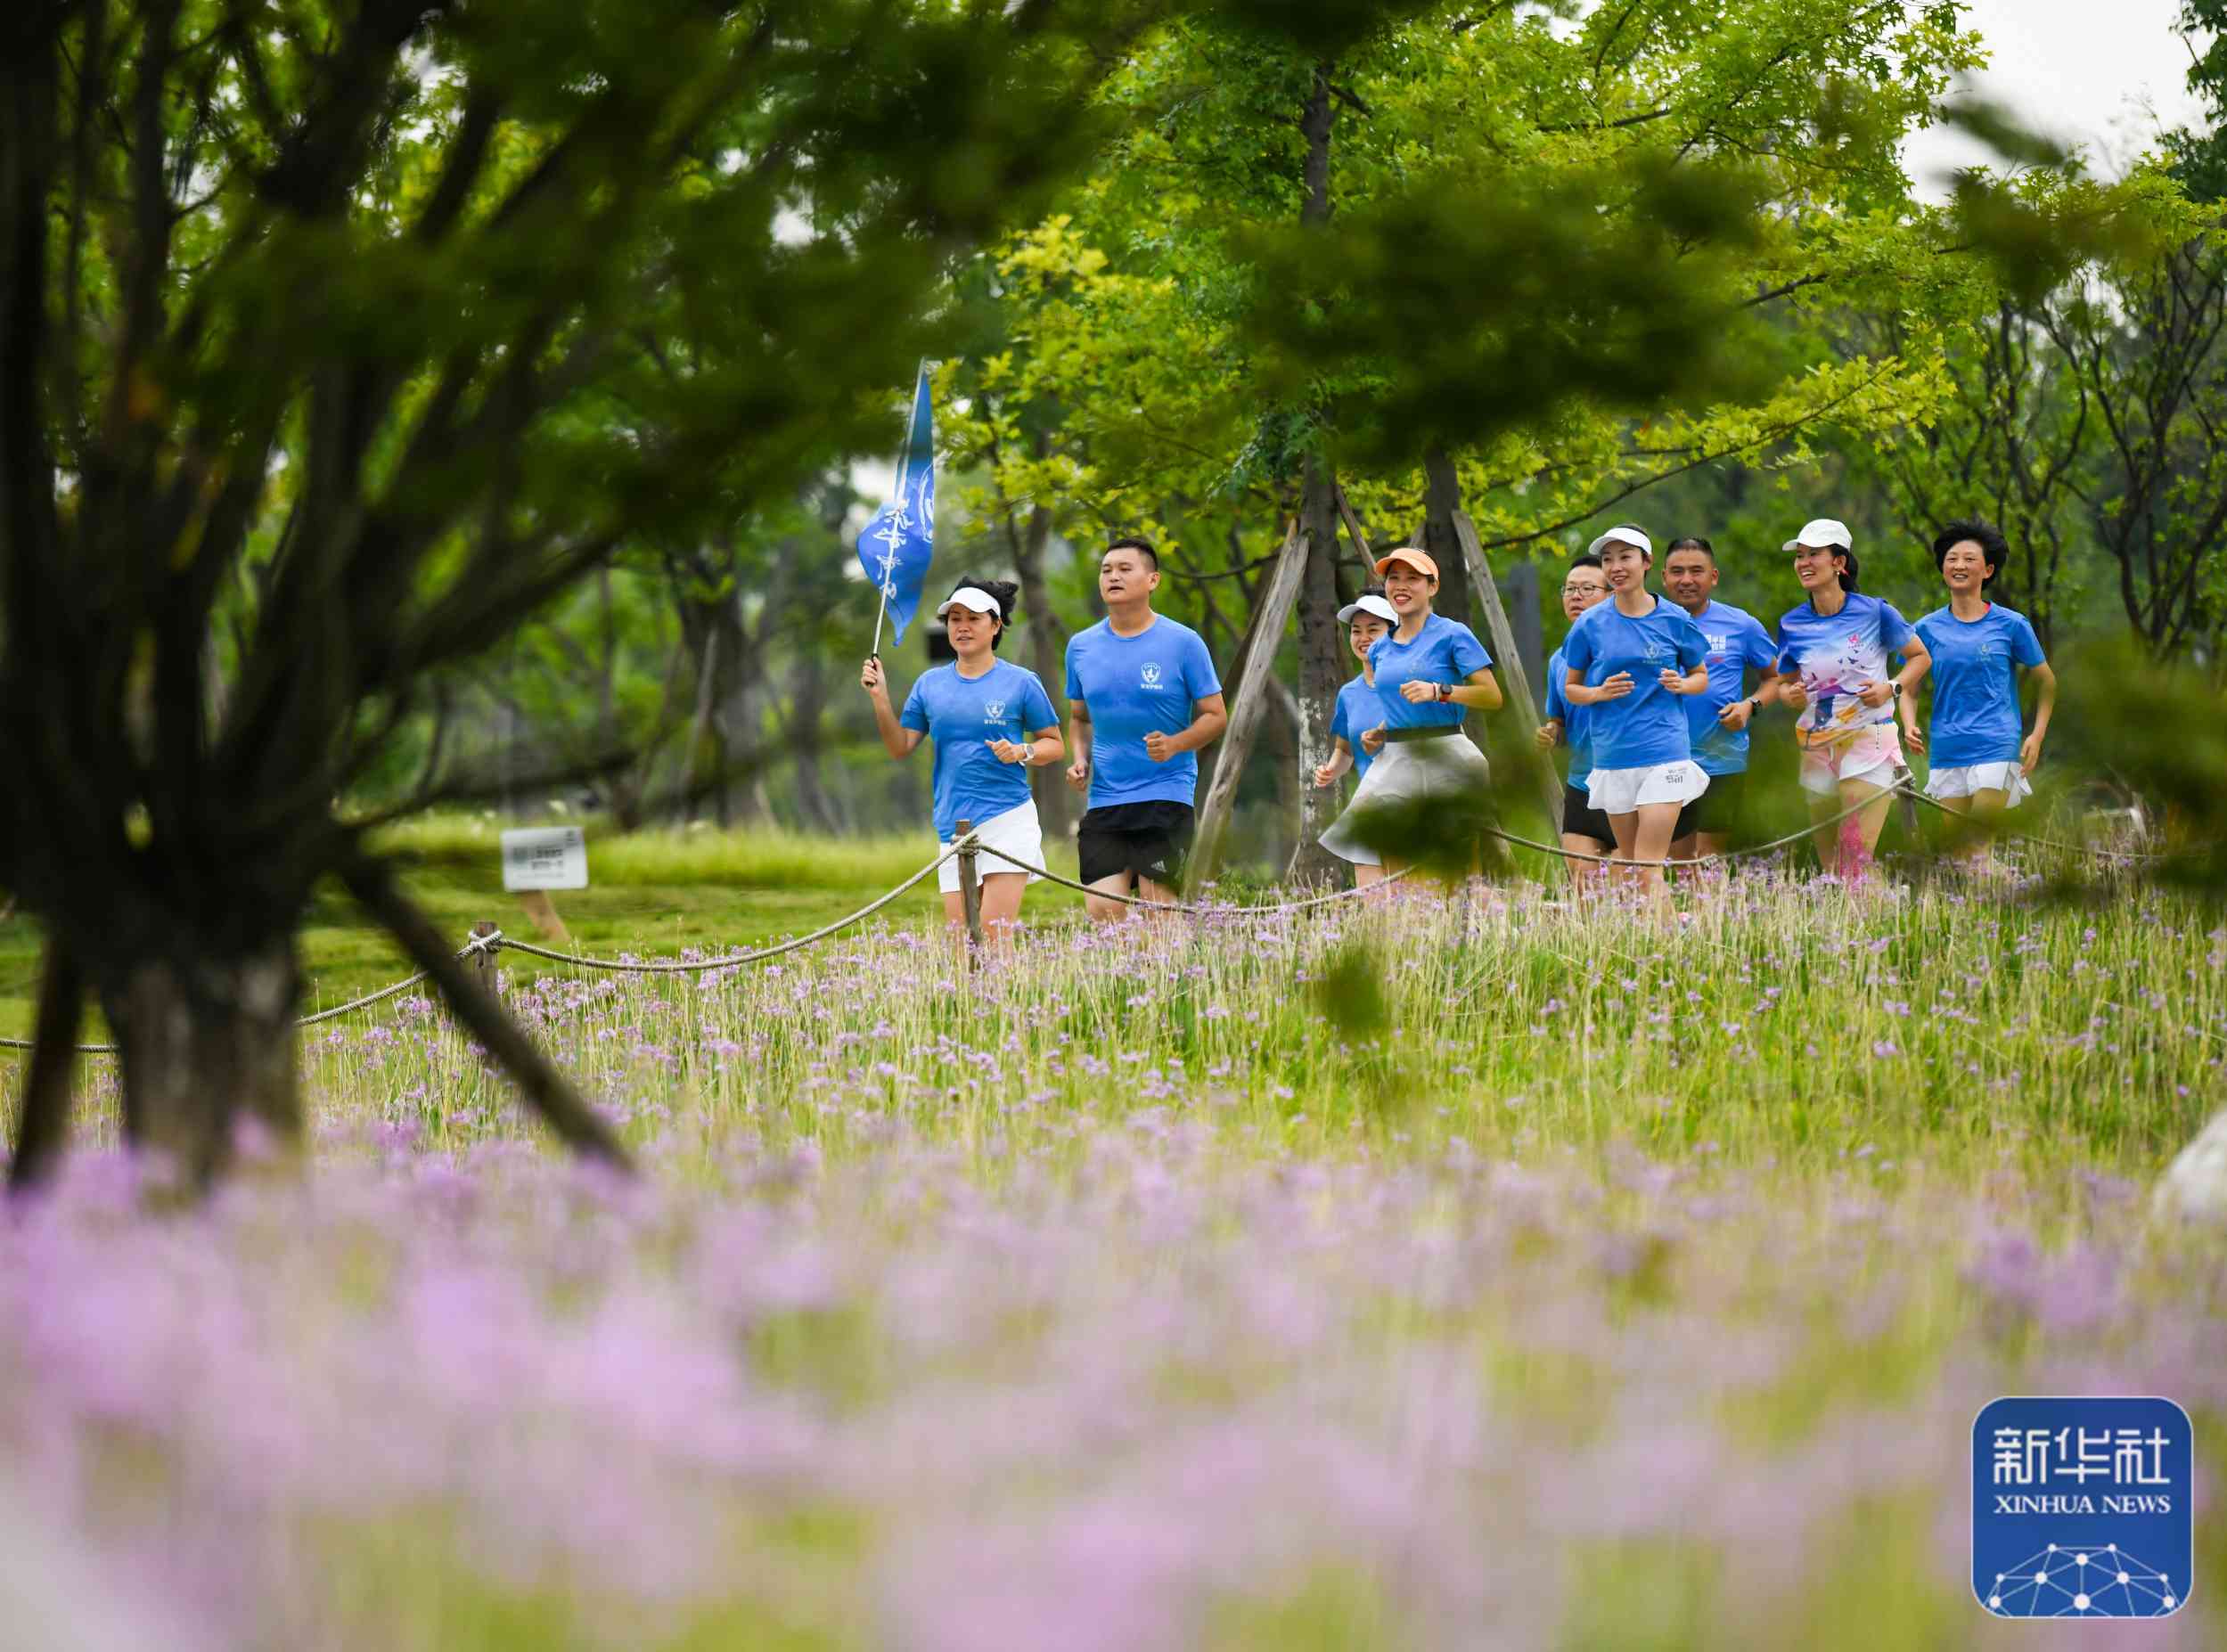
(1357, 713)
(962, 715)
(1976, 716)
(1444, 651)
(1576, 720)
(1148, 684)
(1837, 656)
(1737, 641)
(1647, 726)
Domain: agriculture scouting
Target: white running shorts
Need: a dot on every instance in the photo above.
(2007, 778)
(1017, 831)
(1622, 791)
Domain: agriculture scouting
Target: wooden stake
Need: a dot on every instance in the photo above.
(542, 912)
(484, 961)
(971, 898)
(1246, 708)
(1517, 686)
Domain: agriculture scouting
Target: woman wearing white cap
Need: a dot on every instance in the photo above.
(1366, 619)
(991, 720)
(1430, 672)
(1628, 658)
(1978, 760)
(1833, 663)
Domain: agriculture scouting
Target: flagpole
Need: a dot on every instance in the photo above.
(898, 475)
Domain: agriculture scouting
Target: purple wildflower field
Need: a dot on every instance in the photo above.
(1383, 1279)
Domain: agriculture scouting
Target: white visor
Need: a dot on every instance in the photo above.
(967, 597)
(1370, 604)
(1824, 531)
(1625, 535)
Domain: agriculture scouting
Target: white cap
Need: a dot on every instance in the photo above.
(967, 596)
(1625, 535)
(1369, 604)
(1823, 531)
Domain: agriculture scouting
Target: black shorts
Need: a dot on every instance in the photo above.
(1717, 811)
(1581, 819)
(1148, 839)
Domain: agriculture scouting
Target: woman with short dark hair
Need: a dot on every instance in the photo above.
(1979, 763)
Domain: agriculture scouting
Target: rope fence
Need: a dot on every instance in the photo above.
(494, 940)
(490, 942)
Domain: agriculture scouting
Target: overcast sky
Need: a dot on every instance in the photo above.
(2103, 73)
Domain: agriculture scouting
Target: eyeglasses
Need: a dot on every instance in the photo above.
(1588, 586)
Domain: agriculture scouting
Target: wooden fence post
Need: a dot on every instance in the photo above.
(483, 961)
(1482, 589)
(970, 897)
(1247, 706)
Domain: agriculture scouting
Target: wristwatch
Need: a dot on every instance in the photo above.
(1445, 692)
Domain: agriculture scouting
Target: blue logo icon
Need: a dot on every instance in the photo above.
(2081, 1507)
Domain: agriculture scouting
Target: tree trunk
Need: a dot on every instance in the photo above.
(813, 801)
(1442, 497)
(206, 1044)
(1056, 802)
(1322, 658)
(1321, 661)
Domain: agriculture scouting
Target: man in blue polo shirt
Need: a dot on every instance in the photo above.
(1144, 699)
(1717, 719)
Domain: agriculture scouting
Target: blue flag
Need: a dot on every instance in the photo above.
(895, 547)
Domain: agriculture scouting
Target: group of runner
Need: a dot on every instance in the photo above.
(1652, 696)
(1650, 782)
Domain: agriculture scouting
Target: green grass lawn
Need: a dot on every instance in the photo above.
(651, 892)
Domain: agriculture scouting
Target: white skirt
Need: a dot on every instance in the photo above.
(1407, 771)
(1017, 831)
(1621, 791)
(2008, 778)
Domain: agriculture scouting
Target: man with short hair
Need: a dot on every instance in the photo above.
(1131, 679)
(1586, 830)
(1716, 719)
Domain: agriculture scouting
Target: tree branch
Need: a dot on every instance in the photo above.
(43, 1114)
(546, 1090)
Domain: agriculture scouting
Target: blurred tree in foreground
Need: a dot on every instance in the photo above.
(337, 336)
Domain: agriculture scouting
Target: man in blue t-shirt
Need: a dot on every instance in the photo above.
(1144, 699)
(1716, 718)
(1586, 830)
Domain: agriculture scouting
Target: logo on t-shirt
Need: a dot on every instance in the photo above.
(993, 711)
(1151, 674)
(1720, 641)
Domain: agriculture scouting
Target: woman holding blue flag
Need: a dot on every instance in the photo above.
(990, 721)
(1980, 762)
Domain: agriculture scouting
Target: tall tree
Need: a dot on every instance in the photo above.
(1473, 232)
(362, 328)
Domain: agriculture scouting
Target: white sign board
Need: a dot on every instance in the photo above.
(545, 857)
